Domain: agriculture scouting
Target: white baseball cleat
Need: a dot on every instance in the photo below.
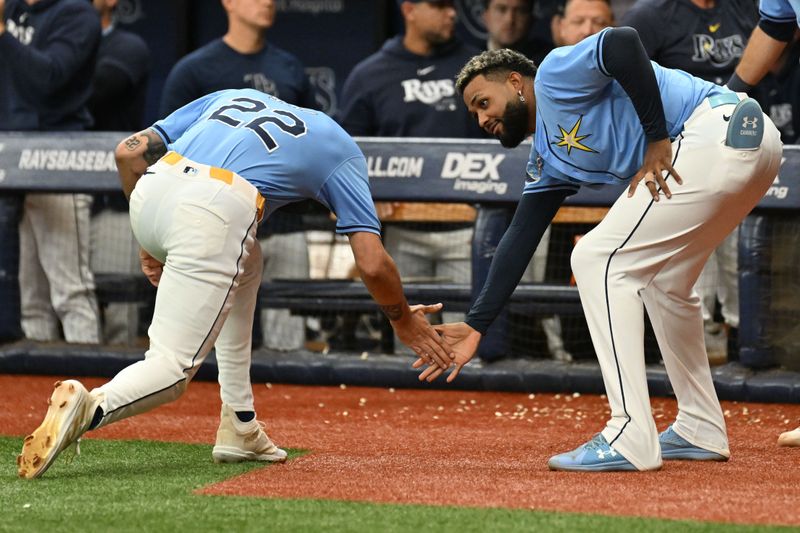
(239, 441)
(790, 438)
(70, 412)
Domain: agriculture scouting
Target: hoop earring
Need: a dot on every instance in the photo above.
(521, 98)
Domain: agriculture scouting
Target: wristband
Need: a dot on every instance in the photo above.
(736, 84)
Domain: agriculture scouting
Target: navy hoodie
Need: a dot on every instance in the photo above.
(47, 55)
(395, 93)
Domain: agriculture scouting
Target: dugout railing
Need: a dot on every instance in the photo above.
(439, 170)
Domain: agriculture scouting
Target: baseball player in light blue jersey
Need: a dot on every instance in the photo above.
(234, 157)
(779, 21)
(698, 158)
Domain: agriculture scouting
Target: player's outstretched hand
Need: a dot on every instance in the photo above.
(151, 267)
(416, 333)
(464, 341)
(657, 160)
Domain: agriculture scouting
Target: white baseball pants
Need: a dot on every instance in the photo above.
(651, 253)
(56, 284)
(201, 222)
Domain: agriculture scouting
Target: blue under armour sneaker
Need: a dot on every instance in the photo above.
(597, 455)
(675, 447)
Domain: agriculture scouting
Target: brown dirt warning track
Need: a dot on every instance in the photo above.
(476, 449)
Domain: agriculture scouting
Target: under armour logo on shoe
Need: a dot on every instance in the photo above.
(748, 122)
(610, 452)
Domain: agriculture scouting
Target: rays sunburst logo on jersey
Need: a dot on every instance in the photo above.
(572, 138)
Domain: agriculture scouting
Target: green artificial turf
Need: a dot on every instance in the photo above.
(148, 486)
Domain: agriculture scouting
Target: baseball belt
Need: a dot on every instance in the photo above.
(226, 176)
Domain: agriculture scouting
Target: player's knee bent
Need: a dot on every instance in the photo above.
(586, 263)
(681, 293)
(176, 391)
(170, 366)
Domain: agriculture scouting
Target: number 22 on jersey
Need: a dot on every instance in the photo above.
(293, 126)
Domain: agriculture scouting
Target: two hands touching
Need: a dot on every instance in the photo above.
(414, 330)
(439, 347)
(464, 342)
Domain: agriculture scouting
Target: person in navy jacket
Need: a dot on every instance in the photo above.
(47, 56)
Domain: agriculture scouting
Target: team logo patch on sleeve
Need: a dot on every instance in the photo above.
(572, 138)
(533, 169)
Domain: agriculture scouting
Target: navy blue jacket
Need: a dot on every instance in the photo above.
(47, 56)
(217, 66)
(706, 43)
(395, 93)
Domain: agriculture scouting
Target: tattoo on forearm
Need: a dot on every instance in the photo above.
(132, 142)
(155, 147)
(394, 311)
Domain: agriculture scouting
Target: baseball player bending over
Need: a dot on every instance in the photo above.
(234, 157)
(698, 158)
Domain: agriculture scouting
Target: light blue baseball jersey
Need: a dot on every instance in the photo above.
(288, 153)
(587, 130)
(780, 10)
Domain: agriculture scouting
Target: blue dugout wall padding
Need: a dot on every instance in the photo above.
(755, 292)
(733, 381)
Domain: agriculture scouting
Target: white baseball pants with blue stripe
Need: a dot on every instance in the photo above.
(648, 254)
(203, 229)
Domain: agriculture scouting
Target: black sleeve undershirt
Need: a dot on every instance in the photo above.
(534, 213)
(625, 60)
(780, 31)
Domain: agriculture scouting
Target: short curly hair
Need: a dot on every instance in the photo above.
(493, 62)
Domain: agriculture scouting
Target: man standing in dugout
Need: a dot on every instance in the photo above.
(705, 157)
(47, 55)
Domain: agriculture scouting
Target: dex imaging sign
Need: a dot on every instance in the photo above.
(476, 172)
